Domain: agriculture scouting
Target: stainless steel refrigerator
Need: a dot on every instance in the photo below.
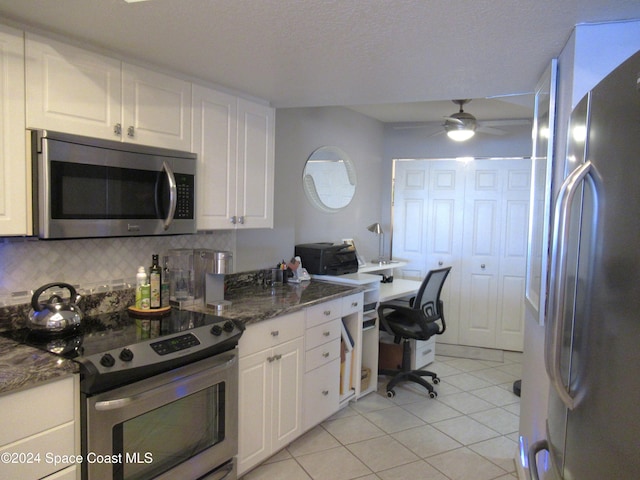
(592, 345)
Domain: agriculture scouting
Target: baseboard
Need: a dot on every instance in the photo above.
(475, 353)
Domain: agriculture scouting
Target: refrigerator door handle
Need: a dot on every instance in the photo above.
(555, 323)
(536, 448)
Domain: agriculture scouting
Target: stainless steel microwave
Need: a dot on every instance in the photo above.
(85, 187)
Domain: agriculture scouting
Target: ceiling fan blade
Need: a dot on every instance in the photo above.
(490, 130)
(436, 133)
(505, 123)
(410, 127)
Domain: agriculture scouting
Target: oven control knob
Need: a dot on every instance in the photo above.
(216, 330)
(228, 326)
(107, 360)
(126, 355)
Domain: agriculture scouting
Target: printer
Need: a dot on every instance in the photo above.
(327, 258)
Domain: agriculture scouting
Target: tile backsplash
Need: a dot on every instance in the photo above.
(92, 264)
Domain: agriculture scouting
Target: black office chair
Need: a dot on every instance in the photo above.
(418, 320)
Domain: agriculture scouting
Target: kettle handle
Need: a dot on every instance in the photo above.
(36, 295)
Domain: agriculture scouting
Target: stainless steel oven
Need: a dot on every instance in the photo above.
(179, 424)
(159, 393)
(87, 187)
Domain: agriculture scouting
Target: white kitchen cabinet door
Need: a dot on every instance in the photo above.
(76, 91)
(15, 211)
(214, 141)
(256, 164)
(270, 397)
(288, 369)
(156, 109)
(72, 90)
(254, 409)
(233, 139)
(269, 388)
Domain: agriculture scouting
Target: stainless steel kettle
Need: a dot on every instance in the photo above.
(54, 315)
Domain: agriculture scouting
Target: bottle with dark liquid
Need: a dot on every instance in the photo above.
(155, 281)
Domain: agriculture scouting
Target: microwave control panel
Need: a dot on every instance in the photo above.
(185, 197)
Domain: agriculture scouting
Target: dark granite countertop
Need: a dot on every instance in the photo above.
(254, 303)
(22, 366)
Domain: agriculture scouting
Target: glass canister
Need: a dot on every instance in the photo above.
(181, 274)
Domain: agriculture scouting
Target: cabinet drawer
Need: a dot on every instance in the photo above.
(56, 441)
(352, 304)
(36, 409)
(325, 311)
(321, 397)
(269, 333)
(320, 355)
(321, 334)
(425, 352)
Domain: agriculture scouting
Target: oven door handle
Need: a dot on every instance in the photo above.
(204, 376)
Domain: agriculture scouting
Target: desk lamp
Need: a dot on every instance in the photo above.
(377, 229)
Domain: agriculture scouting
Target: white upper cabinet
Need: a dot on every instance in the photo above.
(14, 189)
(73, 90)
(234, 139)
(156, 108)
(256, 164)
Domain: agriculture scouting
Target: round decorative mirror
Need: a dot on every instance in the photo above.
(329, 179)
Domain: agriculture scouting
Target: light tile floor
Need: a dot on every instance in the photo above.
(469, 432)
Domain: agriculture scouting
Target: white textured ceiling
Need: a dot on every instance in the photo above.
(362, 53)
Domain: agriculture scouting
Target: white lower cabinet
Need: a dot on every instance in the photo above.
(40, 424)
(269, 388)
(321, 385)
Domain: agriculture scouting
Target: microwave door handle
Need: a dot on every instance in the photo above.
(173, 195)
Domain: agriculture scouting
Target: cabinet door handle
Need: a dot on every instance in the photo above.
(440, 263)
(233, 220)
(327, 312)
(354, 304)
(241, 220)
(277, 357)
(325, 392)
(131, 131)
(117, 129)
(275, 333)
(483, 266)
(270, 359)
(325, 354)
(326, 334)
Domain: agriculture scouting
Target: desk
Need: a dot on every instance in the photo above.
(399, 288)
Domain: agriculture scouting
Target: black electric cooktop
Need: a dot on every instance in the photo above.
(120, 347)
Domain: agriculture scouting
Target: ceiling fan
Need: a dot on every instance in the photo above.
(461, 125)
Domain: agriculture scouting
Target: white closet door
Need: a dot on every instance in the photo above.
(480, 254)
(444, 236)
(515, 212)
(472, 216)
(494, 254)
(410, 207)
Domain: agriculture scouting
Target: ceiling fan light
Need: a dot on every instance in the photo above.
(460, 135)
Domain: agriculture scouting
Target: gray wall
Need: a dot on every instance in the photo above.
(299, 131)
